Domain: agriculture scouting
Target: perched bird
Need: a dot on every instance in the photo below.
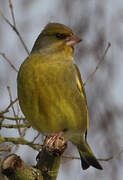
(51, 92)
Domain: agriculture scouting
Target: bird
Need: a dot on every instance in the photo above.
(51, 92)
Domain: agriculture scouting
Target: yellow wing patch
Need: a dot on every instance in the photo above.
(80, 87)
(82, 91)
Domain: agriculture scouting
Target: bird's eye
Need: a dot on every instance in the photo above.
(60, 36)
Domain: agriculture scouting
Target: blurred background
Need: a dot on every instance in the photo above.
(97, 23)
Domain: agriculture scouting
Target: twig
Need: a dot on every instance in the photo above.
(7, 148)
(23, 131)
(71, 157)
(11, 118)
(12, 12)
(20, 141)
(35, 137)
(22, 136)
(99, 159)
(16, 126)
(7, 109)
(111, 157)
(10, 96)
(16, 31)
(9, 62)
(6, 20)
(98, 65)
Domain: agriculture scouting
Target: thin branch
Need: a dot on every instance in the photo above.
(10, 97)
(16, 31)
(35, 137)
(7, 148)
(12, 12)
(16, 126)
(25, 129)
(71, 157)
(8, 107)
(6, 20)
(99, 159)
(111, 157)
(22, 136)
(98, 65)
(8, 60)
(20, 141)
(17, 123)
(11, 118)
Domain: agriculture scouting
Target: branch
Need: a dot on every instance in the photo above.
(16, 31)
(11, 118)
(34, 139)
(48, 162)
(15, 169)
(19, 141)
(15, 125)
(50, 156)
(7, 109)
(23, 132)
(10, 97)
(7, 148)
(13, 109)
(99, 159)
(98, 65)
(12, 12)
(111, 157)
(8, 60)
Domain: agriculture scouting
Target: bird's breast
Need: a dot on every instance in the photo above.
(49, 96)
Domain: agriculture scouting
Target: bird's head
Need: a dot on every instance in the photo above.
(55, 37)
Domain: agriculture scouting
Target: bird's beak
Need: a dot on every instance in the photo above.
(72, 40)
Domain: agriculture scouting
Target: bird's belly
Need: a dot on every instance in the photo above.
(51, 110)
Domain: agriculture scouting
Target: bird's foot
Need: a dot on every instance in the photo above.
(54, 137)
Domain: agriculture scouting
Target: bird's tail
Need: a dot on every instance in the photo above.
(87, 157)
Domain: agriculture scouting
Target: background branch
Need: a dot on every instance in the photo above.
(16, 31)
(8, 60)
(19, 141)
(98, 65)
(12, 12)
(99, 159)
(8, 107)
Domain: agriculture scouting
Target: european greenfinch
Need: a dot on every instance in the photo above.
(51, 92)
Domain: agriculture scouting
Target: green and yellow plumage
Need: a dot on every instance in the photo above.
(51, 92)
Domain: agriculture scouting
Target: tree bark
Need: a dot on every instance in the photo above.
(48, 162)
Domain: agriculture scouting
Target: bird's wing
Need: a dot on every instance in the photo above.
(82, 90)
